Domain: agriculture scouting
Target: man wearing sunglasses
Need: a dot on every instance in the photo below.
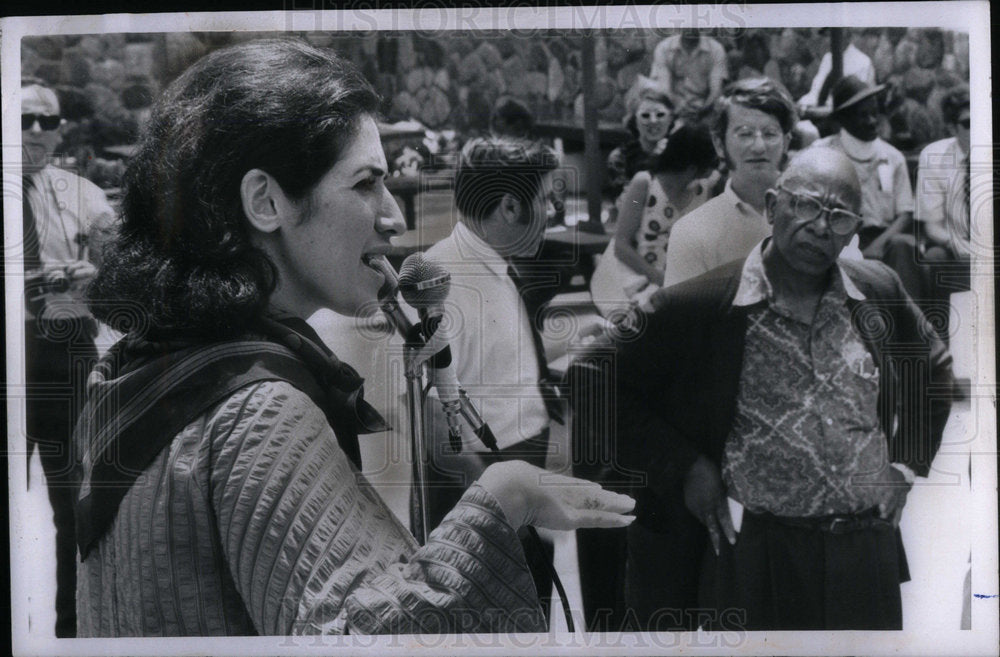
(784, 399)
(62, 214)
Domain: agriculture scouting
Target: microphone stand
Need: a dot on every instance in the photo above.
(416, 352)
(415, 396)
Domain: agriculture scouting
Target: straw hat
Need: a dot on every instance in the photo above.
(850, 91)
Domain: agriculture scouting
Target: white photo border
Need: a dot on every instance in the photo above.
(303, 15)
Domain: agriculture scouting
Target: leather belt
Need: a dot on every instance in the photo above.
(838, 523)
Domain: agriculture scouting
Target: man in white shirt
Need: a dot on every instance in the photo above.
(692, 68)
(63, 216)
(855, 63)
(943, 201)
(886, 193)
(502, 191)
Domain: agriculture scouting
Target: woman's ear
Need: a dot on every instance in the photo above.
(264, 202)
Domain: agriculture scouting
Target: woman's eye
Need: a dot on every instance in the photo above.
(368, 182)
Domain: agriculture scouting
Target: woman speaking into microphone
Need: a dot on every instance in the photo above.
(221, 490)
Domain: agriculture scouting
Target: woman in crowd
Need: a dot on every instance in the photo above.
(648, 119)
(652, 203)
(221, 491)
(657, 198)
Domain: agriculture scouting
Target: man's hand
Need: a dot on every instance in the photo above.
(890, 492)
(80, 270)
(705, 498)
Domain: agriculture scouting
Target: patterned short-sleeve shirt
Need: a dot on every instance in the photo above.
(806, 430)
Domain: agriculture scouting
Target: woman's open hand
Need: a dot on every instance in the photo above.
(532, 496)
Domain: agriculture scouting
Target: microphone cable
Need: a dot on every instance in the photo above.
(424, 283)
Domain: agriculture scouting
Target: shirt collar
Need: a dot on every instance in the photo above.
(855, 148)
(702, 45)
(733, 199)
(754, 286)
(476, 249)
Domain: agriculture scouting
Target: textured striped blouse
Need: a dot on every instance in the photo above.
(253, 521)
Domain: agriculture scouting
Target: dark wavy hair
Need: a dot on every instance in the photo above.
(183, 251)
(688, 145)
(953, 102)
(490, 167)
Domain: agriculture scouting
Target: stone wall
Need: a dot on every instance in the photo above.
(448, 81)
(107, 82)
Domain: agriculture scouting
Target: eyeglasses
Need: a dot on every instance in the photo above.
(45, 121)
(645, 116)
(808, 209)
(965, 123)
(745, 135)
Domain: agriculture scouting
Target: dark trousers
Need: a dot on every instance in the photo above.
(785, 577)
(601, 555)
(944, 273)
(901, 255)
(449, 475)
(662, 575)
(59, 356)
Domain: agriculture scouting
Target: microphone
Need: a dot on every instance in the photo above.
(424, 285)
(389, 304)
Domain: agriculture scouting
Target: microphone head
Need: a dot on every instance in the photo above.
(423, 283)
(391, 284)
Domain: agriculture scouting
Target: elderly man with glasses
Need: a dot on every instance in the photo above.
(783, 404)
(62, 216)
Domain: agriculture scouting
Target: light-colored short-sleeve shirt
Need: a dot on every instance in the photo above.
(941, 191)
(720, 231)
(67, 209)
(855, 63)
(689, 73)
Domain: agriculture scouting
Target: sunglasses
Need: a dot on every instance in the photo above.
(45, 121)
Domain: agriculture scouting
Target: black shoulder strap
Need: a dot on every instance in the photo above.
(180, 389)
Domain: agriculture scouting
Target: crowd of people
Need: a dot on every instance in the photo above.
(895, 122)
(768, 411)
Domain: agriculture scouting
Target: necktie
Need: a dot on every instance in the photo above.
(32, 249)
(32, 258)
(534, 297)
(967, 191)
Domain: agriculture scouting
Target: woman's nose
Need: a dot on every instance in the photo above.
(391, 220)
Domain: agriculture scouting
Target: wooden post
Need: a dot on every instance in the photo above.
(836, 64)
(591, 140)
(836, 54)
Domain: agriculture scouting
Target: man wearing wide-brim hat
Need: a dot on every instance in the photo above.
(886, 193)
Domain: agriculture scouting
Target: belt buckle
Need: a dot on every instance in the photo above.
(839, 525)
